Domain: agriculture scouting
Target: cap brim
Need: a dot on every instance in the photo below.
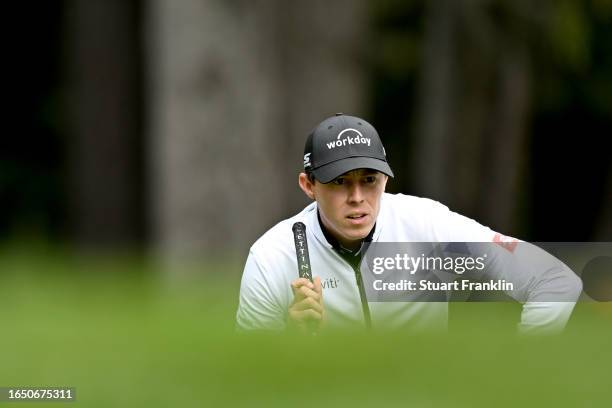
(330, 171)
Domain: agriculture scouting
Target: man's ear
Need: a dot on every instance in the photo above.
(306, 185)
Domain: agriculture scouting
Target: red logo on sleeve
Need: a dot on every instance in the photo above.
(508, 243)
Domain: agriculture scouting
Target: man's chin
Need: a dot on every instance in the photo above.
(357, 234)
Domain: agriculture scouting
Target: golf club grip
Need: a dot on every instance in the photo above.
(301, 250)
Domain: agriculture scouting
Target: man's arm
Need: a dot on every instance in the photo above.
(547, 288)
(263, 306)
(260, 306)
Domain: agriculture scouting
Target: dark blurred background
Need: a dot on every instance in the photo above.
(178, 126)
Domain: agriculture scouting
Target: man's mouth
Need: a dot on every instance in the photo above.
(357, 218)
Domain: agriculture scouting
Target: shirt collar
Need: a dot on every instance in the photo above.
(336, 244)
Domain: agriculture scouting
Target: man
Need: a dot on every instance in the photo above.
(345, 174)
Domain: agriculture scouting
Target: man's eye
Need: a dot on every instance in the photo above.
(370, 179)
(338, 181)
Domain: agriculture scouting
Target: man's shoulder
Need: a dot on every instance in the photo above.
(432, 220)
(280, 236)
(411, 218)
(403, 202)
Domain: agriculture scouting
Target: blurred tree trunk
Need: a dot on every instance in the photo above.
(505, 148)
(436, 96)
(323, 70)
(473, 104)
(215, 143)
(104, 152)
(475, 79)
(235, 87)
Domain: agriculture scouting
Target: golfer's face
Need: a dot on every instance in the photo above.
(349, 205)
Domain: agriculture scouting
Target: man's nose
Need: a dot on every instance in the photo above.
(355, 193)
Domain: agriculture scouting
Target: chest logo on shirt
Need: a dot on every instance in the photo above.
(508, 243)
(329, 283)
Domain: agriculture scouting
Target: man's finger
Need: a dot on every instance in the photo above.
(301, 282)
(317, 285)
(305, 315)
(305, 293)
(308, 293)
(308, 303)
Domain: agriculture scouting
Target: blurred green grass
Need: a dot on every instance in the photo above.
(123, 335)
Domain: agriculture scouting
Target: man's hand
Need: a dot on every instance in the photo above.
(307, 311)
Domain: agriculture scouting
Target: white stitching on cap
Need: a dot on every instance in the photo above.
(347, 129)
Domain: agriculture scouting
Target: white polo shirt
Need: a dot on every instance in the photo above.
(265, 291)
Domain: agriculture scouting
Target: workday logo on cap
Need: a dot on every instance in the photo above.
(359, 148)
(355, 137)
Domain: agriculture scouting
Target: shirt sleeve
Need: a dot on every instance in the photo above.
(259, 306)
(547, 288)
(545, 285)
